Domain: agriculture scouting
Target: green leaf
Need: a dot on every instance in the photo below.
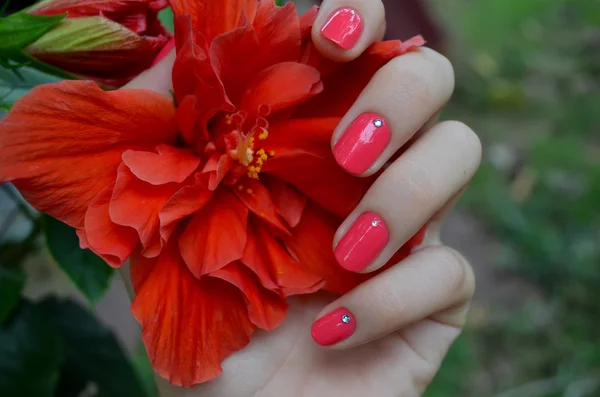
(166, 17)
(21, 29)
(31, 354)
(20, 58)
(92, 351)
(14, 84)
(88, 271)
(12, 280)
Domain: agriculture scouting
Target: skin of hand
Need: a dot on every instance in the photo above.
(405, 318)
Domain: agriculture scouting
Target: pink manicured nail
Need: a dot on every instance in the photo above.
(343, 28)
(363, 243)
(364, 140)
(333, 327)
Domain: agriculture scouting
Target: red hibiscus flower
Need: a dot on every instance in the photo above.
(109, 41)
(226, 203)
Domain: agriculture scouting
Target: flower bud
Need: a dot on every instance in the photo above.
(110, 42)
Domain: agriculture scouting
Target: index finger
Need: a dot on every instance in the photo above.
(345, 28)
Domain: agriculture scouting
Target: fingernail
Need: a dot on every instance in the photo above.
(343, 28)
(364, 241)
(333, 327)
(362, 143)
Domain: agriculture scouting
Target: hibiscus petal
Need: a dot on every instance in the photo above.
(169, 165)
(74, 125)
(299, 136)
(278, 32)
(293, 277)
(306, 23)
(114, 243)
(275, 267)
(212, 18)
(257, 198)
(137, 204)
(288, 202)
(186, 201)
(198, 90)
(216, 235)
(281, 86)
(311, 243)
(256, 258)
(189, 326)
(344, 82)
(266, 309)
(217, 166)
(274, 38)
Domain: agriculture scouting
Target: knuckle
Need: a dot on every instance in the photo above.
(415, 185)
(461, 280)
(406, 82)
(465, 138)
(442, 65)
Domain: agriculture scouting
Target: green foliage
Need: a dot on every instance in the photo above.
(527, 80)
(88, 271)
(21, 29)
(450, 380)
(57, 348)
(12, 281)
(166, 17)
(14, 84)
(31, 354)
(92, 352)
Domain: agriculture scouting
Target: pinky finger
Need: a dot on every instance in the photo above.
(428, 283)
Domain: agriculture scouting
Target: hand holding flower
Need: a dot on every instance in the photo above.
(229, 204)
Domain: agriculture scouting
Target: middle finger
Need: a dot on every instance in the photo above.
(402, 96)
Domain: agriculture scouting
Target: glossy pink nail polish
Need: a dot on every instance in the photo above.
(344, 28)
(362, 243)
(333, 327)
(362, 143)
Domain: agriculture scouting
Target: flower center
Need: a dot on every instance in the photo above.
(246, 151)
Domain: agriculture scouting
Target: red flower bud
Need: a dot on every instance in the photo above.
(110, 42)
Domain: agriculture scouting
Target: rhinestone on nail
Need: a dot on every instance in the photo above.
(345, 319)
(378, 123)
(375, 222)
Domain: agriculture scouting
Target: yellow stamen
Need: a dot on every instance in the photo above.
(240, 187)
(272, 153)
(249, 191)
(228, 122)
(264, 135)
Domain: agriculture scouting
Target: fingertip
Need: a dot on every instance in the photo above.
(343, 30)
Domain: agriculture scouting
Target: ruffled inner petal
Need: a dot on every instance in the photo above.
(301, 82)
(169, 165)
(287, 201)
(114, 243)
(212, 18)
(311, 243)
(137, 204)
(258, 199)
(266, 309)
(216, 235)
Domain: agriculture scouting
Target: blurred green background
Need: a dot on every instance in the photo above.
(528, 82)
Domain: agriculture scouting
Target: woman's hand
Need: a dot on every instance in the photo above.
(388, 336)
